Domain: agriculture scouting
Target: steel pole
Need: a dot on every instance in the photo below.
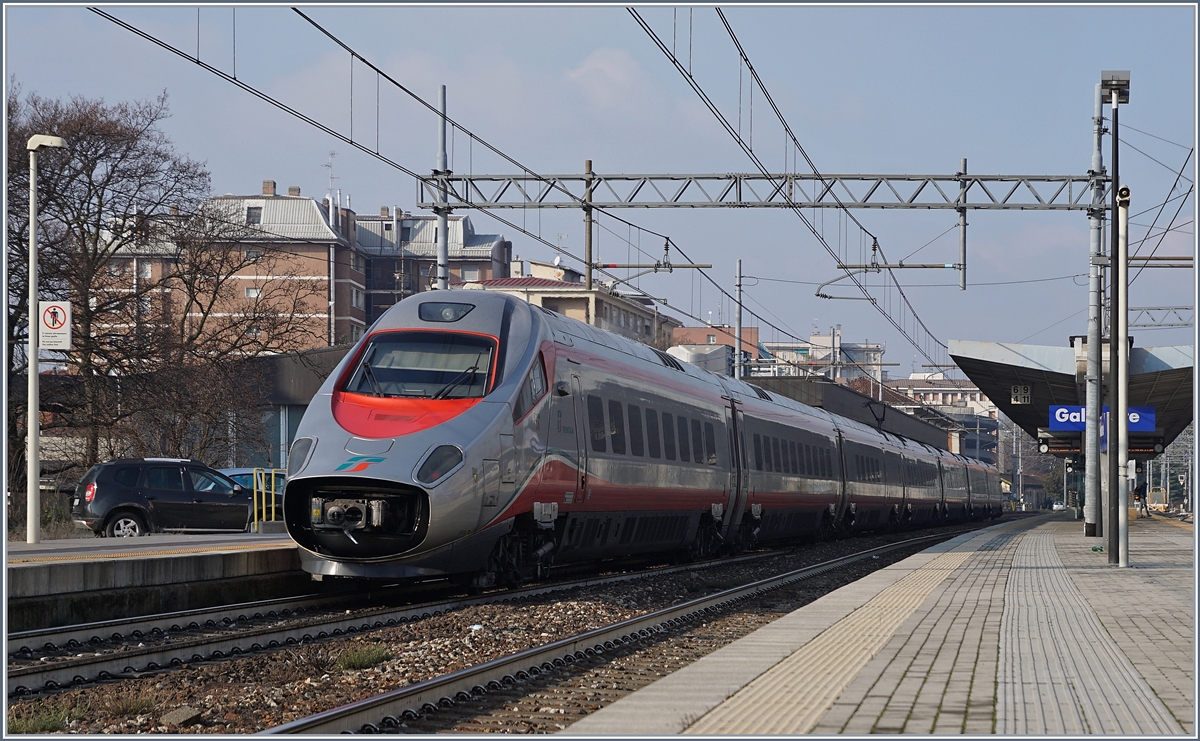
(443, 225)
(1116, 343)
(962, 229)
(33, 463)
(587, 226)
(737, 314)
(1122, 390)
(1091, 452)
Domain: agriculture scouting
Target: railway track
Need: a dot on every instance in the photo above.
(60, 657)
(274, 687)
(392, 711)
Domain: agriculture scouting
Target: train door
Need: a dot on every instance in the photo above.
(739, 476)
(843, 516)
(583, 491)
(565, 477)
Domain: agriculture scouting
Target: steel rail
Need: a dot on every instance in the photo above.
(384, 712)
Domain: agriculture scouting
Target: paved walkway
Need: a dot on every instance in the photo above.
(1018, 629)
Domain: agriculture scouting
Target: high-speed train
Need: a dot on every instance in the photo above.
(473, 435)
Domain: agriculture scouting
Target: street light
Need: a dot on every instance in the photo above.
(1116, 84)
(33, 419)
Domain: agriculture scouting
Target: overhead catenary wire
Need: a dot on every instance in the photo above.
(313, 122)
(715, 110)
(330, 131)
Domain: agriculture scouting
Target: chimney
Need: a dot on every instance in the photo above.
(293, 190)
(383, 211)
(268, 188)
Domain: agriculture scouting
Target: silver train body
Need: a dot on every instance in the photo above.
(472, 435)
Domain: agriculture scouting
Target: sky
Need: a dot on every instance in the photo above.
(883, 90)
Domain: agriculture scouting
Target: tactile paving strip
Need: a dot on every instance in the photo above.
(1060, 671)
(792, 696)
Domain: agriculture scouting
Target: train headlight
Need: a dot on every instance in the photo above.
(443, 311)
(443, 460)
(298, 455)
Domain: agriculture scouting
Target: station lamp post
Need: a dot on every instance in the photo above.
(1115, 84)
(33, 462)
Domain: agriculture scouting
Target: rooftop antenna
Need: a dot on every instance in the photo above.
(332, 206)
(329, 165)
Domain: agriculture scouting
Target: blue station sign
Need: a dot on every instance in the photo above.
(1068, 418)
(1141, 419)
(1074, 419)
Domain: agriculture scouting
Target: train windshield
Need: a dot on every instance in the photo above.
(431, 365)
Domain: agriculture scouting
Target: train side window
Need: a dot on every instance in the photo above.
(616, 424)
(812, 458)
(778, 458)
(787, 458)
(668, 436)
(698, 443)
(794, 463)
(532, 389)
(596, 423)
(710, 442)
(803, 461)
(636, 446)
(758, 452)
(767, 465)
(652, 433)
(828, 463)
(685, 454)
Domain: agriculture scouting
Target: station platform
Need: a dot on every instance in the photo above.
(61, 582)
(1018, 629)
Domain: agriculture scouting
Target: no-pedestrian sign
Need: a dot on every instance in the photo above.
(54, 327)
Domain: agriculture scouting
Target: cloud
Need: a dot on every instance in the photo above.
(609, 78)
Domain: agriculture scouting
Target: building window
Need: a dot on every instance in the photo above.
(387, 227)
(470, 272)
(253, 331)
(356, 298)
(712, 339)
(252, 255)
(254, 214)
(145, 269)
(253, 292)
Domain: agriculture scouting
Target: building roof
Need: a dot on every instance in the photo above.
(526, 283)
(292, 218)
(463, 242)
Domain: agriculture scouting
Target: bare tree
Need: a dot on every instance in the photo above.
(154, 270)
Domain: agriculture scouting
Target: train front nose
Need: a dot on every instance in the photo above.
(355, 518)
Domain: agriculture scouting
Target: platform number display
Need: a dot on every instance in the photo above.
(1022, 394)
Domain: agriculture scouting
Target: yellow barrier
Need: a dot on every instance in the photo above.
(265, 480)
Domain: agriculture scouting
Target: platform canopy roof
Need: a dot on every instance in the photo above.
(1159, 377)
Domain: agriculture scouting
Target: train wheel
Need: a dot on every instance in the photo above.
(826, 531)
(707, 542)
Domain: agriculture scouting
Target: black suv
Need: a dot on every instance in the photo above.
(135, 496)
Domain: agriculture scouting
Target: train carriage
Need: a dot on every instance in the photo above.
(474, 436)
